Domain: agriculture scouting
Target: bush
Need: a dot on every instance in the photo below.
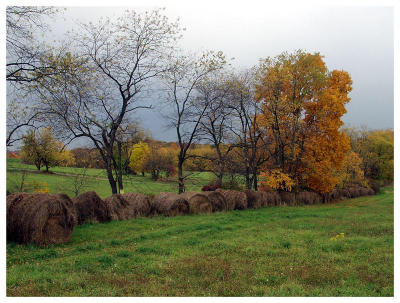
(170, 171)
(210, 187)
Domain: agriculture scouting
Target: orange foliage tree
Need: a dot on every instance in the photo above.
(302, 105)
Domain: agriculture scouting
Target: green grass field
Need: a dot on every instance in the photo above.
(275, 251)
(59, 180)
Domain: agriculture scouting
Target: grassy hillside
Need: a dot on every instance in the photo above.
(276, 251)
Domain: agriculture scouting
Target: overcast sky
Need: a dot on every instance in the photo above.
(356, 39)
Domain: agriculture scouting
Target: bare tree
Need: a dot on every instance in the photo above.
(24, 52)
(17, 184)
(181, 80)
(101, 84)
(24, 65)
(214, 125)
(250, 141)
(80, 180)
(127, 135)
(19, 118)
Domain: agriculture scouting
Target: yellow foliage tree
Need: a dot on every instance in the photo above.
(302, 105)
(277, 180)
(42, 149)
(139, 155)
(351, 171)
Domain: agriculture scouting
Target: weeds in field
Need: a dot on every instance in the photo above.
(337, 237)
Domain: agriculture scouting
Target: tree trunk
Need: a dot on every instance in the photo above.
(255, 185)
(221, 163)
(120, 184)
(47, 168)
(119, 170)
(220, 177)
(181, 183)
(248, 181)
(110, 176)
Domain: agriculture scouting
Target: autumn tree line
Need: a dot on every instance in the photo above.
(277, 124)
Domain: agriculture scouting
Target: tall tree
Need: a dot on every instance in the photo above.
(24, 65)
(250, 141)
(24, 52)
(302, 105)
(214, 125)
(114, 61)
(181, 81)
(42, 149)
(376, 148)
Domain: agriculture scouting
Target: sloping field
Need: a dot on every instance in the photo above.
(276, 251)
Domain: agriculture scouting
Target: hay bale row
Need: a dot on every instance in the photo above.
(308, 198)
(273, 199)
(258, 199)
(90, 207)
(169, 205)
(40, 218)
(350, 192)
(128, 206)
(198, 202)
(288, 198)
(234, 199)
(48, 219)
(217, 200)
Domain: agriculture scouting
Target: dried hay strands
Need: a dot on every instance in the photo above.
(169, 205)
(217, 200)
(198, 202)
(234, 199)
(90, 207)
(40, 218)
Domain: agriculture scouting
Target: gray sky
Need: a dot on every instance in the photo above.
(356, 39)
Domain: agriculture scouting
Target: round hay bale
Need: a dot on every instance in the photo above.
(234, 199)
(309, 198)
(345, 193)
(256, 199)
(288, 198)
(68, 202)
(364, 191)
(317, 198)
(273, 198)
(354, 192)
(128, 206)
(217, 200)
(335, 195)
(90, 207)
(138, 205)
(198, 202)
(169, 205)
(13, 199)
(40, 218)
(304, 197)
(375, 186)
(116, 206)
(262, 196)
